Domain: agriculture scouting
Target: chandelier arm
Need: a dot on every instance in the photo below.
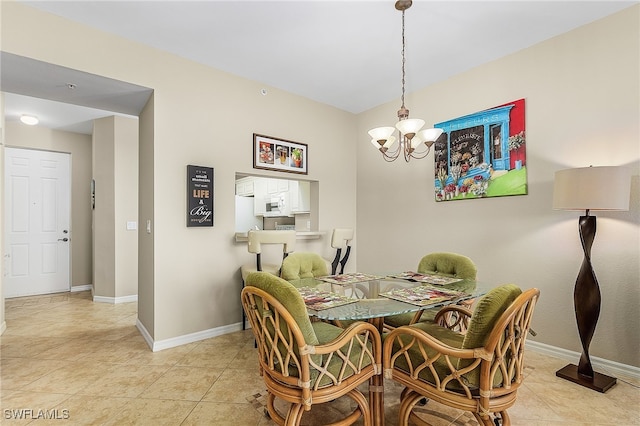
(389, 159)
(392, 155)
(421, 154)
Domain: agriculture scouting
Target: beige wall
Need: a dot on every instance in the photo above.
(126, 205)
(115, 170)
(79, 146)
(582, 108)
(206, 117)
(3, 324)
(145, 213)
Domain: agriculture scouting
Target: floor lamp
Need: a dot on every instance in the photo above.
(589, 188)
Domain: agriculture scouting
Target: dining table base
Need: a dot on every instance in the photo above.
(376, 385)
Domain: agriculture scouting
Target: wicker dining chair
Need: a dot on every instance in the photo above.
(305, 363)
(480, 371)
(452, 265)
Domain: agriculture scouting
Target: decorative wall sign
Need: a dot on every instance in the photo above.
(199, 196)
(482, 154)
(279, 154)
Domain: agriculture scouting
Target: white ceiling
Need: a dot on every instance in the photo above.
(341, 53)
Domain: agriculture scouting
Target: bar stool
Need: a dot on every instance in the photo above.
(256, 240)
(341, 237)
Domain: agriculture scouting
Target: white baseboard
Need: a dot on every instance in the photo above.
(187, 338)
(145, 334)
(3, 327)
(603, 365)
(116, 300)
(606, 366)
(75, 288)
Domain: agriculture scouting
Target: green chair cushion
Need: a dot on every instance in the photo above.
(483, 320)
(487, 311)
(448, 264)
(303, 265)
(290, 298)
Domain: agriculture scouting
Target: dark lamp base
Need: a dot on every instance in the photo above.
(600, 382)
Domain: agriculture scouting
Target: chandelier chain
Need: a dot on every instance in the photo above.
(410, 137)
(403, 60)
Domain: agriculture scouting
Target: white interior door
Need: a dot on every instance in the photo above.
(37, 218)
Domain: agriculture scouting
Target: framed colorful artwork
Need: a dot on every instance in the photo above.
(279, 154)
(482, 155)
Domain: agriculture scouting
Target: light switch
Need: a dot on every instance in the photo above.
(132, 226)
(148, 226)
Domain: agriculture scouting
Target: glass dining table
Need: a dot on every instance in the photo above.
(371, 297)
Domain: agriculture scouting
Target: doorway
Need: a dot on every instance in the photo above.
(37, 222)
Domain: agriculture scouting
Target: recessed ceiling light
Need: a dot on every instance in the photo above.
(31, 120)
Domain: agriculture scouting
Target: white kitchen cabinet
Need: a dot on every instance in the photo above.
(294, 195)
(277, 186)
(244, 187)
(272, 186)
(259, 195)
(300, 196)
(283, 185)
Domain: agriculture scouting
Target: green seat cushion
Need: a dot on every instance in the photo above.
(399, 320)
(326, 333)
(444, 335)
(303, 265)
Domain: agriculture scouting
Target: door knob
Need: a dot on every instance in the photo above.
(65, 239)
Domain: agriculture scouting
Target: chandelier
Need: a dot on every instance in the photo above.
(412, 141)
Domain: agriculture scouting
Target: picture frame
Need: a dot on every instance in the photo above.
(271, 153)
(199, 196)
(482, 155)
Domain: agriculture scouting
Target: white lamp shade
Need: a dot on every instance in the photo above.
(410, 125)
(428, 135)
(592, 188)
(387, 143)
(381, 133)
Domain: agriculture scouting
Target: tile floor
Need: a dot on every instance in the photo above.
(85, 363)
